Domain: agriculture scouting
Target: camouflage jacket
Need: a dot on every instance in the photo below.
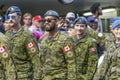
(24, 54)
(86, 58)
(4, 56)
(110, 67)
(57, 58)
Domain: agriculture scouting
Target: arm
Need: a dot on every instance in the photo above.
(70, 59)
(33, 52)
(103, 68)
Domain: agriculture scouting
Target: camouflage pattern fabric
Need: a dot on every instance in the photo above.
(4, 56)
(99, 40)
(86, 58)
(110, 67)
(57, 58)
(24, 62)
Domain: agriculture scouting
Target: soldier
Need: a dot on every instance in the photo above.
(86, 54)
(4, 56)
(110, 67)
(24, 51)
(56, 52)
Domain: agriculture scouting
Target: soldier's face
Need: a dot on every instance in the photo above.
(116, 32)
(50, 23)
(80, 29)
(13, 19)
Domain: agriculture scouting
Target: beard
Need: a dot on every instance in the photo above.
(49, 29)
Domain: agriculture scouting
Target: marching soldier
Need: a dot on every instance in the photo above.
(24, 61)
(86, 54)
(110, 67)
(57, 57)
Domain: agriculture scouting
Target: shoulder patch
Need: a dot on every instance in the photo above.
(67, 48)
(31, 44)
(93, 49)
(3, 49)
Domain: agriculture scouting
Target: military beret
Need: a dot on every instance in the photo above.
(80, 20)
(114, 19)
(116, 24)
(13, 9)
(51, 13)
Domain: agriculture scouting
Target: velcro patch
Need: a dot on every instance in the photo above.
(92, 49)
(67, 48)
(2, 49)
(31, 44)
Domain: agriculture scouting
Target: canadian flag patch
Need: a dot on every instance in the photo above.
(93, 49)
(2, 49)
(67, 48)
(31, 44)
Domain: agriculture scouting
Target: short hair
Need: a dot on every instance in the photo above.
(95, 7)
(27, 14)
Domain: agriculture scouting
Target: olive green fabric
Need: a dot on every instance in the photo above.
(57, 58)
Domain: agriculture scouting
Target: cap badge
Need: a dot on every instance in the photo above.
(80, 21)
(12, 9)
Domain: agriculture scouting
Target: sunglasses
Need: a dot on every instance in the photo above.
(48, 20)
(8, 17)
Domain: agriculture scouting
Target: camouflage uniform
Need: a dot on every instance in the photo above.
(86, 58)
(57, 58)
(24, 62)
(4, 56)
(110, 67)
(99, 40)
(109, 38)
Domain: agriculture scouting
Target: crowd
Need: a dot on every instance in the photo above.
(52, 47)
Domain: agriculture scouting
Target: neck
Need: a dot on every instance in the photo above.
(16, 28)
(117, 40)
(53, 33)
(26, 25)
(80, 35)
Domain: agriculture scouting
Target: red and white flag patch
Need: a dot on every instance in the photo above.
(31, 44)
(67, 48)
(93, 49)
(2, 49)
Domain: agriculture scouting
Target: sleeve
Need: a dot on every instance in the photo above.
(92, 60)
(33, 52)
(70, 59)
(102, 69)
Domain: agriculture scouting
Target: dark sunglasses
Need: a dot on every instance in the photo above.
(8, 17)
(48, 20)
